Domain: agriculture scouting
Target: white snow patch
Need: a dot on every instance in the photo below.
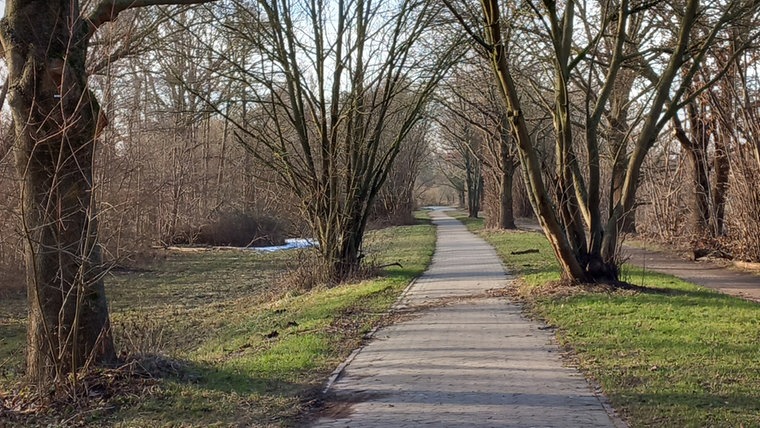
(290, 244)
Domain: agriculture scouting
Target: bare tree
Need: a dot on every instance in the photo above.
(56, 120)
(338, 86)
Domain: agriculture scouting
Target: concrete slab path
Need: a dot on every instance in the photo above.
(464, 359)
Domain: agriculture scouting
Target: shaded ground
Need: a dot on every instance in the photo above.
(701, 272)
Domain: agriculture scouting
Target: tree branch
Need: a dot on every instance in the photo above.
(466, 26)
(4, 92)
(108, 10)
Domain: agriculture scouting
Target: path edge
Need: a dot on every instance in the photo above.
(367, 337)
(396, 307)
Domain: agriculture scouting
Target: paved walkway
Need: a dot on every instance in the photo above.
(701, 272)
(464, 359)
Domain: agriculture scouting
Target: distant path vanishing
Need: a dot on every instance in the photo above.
(462, 358)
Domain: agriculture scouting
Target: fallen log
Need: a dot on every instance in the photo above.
(528, 251)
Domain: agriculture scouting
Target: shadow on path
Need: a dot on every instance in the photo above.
(465, 359)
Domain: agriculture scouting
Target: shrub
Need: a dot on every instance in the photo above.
(235, 228)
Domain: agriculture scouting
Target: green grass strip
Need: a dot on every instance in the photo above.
(265, 367)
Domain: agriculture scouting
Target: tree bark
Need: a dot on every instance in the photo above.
(506, 206)
(722, 169)
(506, 212)
(474, 183)
(695, 146)
(628, 222)
(507, 167)
(56, 121)
(619, 129)
(700, 215)
(340, 239)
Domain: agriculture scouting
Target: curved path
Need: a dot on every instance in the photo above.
(464, 358)
(701, 272)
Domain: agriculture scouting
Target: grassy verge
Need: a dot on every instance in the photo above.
(678, 356)
(232, 347)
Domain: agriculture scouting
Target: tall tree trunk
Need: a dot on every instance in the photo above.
(700, 215)
(617, 116)
(695, 145)
(506, 212)
(628, 222)
(506, 177)
(474, 183)
(55, 122)
(474, 195)
(720, 188)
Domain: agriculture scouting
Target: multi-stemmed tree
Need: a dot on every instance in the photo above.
(335, 88)
(584, 236)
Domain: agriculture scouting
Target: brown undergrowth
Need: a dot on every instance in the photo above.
(523, 291)
(87, 395)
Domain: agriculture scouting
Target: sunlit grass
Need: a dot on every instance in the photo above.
(250, 353)
(677, 356)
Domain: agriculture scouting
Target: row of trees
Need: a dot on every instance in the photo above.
(476, 141)
(610, 76)
(170, 115)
